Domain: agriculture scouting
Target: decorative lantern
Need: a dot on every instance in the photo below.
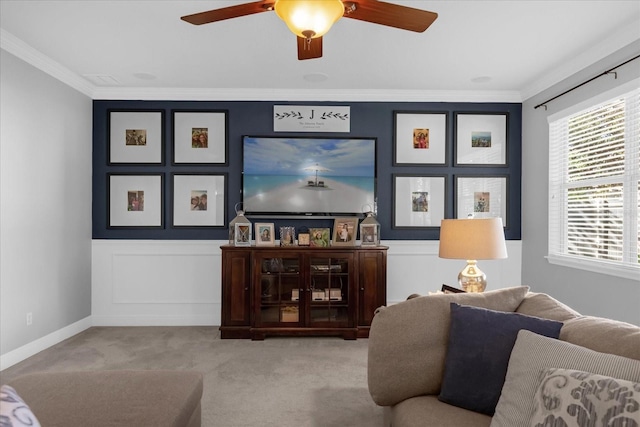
(240, 230)
(370, 231)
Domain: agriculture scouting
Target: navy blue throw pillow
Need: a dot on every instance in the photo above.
(480, 344)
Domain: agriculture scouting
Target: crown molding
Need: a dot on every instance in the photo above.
(244, 94)
(616, 41)
(20, 49)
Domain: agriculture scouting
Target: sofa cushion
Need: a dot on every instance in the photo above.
(542, 305)
(480, 343)
(14, 412)
(603, 335)
(533, 354)
(113, 398)
(424, 411)
(567, 397)
(408, 342)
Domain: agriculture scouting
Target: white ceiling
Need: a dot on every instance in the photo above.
(515, 48)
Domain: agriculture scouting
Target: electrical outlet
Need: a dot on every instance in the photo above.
(29, 319)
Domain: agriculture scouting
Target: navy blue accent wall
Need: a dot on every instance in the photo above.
(368, 119)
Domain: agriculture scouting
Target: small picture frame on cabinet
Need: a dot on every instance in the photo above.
(264, 234)
(287, 236)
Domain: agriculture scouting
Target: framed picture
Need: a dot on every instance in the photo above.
(304, 238)
(135, 200)
(481, 197)
(319, 237)
(135, 137)
(481, 139)
(345, 231)
(199, 200)
(420, 138)
(418, 200)
(242, 235)
(287, 236)
(200, 137)
(264, 234)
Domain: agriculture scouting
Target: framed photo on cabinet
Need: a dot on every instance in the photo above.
(481, 139)
(345, 231)
(199, 200)
(265, 234)
(482, 197)
(418, 200)
(200, 137)
(135, 137)
(135, 200)
(420, 138)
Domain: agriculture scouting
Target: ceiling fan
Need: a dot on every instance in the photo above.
(309, 20)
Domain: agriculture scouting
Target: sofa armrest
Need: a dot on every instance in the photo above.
(408, 342)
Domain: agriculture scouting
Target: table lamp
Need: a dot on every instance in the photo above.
(472, 239)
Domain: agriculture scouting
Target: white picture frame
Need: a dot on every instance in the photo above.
(481, 139)
(410, 148)
(135, 137)
(264, 234)
(418, 200)
(200, 137)
(482, 197)
(210, 212)
(135, 200)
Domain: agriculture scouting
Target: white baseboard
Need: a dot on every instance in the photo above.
(18, 355)
(158, 320)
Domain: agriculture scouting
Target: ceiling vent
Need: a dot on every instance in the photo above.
(102, 79)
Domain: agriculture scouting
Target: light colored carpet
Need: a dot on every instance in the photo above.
(283, 382)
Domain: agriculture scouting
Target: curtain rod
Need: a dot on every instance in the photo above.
(609, 71)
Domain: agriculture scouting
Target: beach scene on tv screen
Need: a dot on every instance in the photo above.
(308, 175)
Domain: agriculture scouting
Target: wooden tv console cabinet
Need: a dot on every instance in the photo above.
(300, 291)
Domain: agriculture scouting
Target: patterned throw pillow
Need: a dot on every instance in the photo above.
(566, 397)
(13, 411)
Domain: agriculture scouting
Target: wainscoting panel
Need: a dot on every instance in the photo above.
(177, 282)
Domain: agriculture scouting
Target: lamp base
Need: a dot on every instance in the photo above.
(471, 278)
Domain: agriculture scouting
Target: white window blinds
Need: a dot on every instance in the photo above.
(594, 172)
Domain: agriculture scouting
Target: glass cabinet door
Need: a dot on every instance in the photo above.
(279, 289)
(329, 291)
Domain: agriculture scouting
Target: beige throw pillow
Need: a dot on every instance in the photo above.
(533, 354)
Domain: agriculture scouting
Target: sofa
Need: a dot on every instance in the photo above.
(504, 358)
(123, 398)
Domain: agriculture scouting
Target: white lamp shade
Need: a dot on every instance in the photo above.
(472, 239)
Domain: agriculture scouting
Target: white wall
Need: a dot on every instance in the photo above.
(45, 204)
(589, 293)
(165, 282)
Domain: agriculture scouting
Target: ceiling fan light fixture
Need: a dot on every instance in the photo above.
(309, 18)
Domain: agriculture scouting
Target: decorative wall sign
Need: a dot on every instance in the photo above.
(481, 139)
(136, 137)
(419, 200)
(309, 118)
(135, 200)
(199, 200)
(482, 197)
(200, 137)
(420, 138)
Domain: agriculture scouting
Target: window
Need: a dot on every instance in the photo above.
(594, 172)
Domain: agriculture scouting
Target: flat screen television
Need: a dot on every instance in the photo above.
(308, 176)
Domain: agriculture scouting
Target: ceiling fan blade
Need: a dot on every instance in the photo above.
(309, 48)
(391, 15)
(229, 12)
